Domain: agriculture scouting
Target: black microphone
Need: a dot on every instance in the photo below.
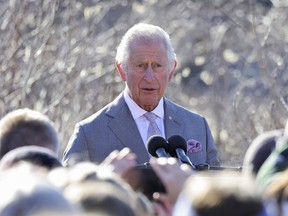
(177, 148)
(157, 146)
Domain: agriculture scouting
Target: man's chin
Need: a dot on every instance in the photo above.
(149, 106)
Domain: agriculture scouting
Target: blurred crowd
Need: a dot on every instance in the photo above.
(33, 180)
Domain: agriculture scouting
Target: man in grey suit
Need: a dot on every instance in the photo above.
(146, 63)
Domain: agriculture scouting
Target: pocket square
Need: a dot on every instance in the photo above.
(193, 146)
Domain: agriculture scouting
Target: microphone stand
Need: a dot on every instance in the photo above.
(203, 167)
(199, 167)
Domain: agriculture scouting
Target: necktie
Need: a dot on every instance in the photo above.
(152, 128)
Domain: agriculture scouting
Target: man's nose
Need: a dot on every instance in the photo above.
(149, 76)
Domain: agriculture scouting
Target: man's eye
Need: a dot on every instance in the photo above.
(140, 65)
(156, 65)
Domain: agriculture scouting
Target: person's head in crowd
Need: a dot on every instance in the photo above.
(26, 127)
(84, 171)
(276, 195)
(222, 194)
(98, 190)
(148, 48)
(26, 193)
(100, 197)
(259, 150)
(274, 165)
(37, 155)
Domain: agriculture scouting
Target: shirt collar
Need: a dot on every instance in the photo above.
(137, 111)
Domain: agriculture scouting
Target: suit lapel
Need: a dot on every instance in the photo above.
(172, 121)
(125, 129)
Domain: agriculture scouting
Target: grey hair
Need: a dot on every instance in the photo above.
(145, 33)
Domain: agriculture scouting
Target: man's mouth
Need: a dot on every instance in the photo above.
(148, 90)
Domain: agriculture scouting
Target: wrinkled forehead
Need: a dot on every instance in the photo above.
(148, 50)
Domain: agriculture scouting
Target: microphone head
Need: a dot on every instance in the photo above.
(155, 142)
(176, 142)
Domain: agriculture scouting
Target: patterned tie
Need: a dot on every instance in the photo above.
(153, 128)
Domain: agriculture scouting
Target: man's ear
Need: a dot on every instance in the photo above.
(120, 70)
(172, 71)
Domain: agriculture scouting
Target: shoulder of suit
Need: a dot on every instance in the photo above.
(177, 109)
(111, 109)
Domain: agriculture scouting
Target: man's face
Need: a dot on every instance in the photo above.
(147, 74)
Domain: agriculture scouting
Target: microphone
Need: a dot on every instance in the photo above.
(157, 146)
(177, 148)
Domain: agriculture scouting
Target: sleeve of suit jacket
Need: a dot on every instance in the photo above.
(76, 149)
(212, 157)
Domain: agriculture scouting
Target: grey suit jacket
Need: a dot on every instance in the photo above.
(113, 127)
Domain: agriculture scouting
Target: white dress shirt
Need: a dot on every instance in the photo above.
(141, 122)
